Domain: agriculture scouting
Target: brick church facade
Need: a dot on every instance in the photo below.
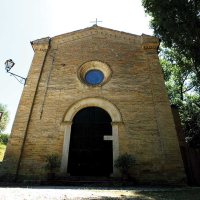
(90, 96)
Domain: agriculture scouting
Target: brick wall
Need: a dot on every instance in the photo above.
(136, 88)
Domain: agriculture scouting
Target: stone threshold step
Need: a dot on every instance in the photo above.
(88, 183)
(86, 178)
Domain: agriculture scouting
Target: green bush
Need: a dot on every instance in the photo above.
(4, 138)
(52, 162)
(125, 162)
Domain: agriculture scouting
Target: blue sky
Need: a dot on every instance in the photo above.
(22, 21)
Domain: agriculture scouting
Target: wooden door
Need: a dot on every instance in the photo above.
(89, 153)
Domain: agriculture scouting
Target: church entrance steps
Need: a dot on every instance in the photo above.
(88, 181)
(87, 178)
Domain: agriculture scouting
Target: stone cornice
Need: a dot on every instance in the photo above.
(145, 40)
(150, 46)
(41, 44)
(94, 30)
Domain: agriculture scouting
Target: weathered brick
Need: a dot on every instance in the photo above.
(136, 88)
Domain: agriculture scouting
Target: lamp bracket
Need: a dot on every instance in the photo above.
(19, 78)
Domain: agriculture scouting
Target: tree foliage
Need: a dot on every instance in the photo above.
(4, 138)
(5, 118)
(178, 75)
(190, 116)
(181, 88)
(177, 24)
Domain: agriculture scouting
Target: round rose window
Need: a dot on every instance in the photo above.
(94, 73)
(94, 77)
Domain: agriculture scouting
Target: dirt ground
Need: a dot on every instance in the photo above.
(65, 193)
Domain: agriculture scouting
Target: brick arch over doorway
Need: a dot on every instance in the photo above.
(68, 120)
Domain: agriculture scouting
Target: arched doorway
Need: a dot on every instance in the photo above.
(89, 153)
(66, 125)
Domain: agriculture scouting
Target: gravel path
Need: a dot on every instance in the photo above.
(65, 193)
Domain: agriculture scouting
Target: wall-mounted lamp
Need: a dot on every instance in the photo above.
(8, 66)
(1, 115)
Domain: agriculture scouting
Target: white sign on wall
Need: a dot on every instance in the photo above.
(107, 137)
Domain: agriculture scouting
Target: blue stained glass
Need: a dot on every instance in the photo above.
(94, 77)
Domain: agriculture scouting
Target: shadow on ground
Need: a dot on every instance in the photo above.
(76, 193)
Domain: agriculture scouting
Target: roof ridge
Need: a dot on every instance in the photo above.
(94, 27)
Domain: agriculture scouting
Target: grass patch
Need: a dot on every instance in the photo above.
(2, 151)
(187, 194)
(161, 194)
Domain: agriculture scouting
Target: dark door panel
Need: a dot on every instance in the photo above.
(89, 154)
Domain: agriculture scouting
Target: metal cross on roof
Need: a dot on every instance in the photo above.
(95, 21)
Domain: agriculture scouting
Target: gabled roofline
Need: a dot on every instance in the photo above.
(97, 28)
(147, 41)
